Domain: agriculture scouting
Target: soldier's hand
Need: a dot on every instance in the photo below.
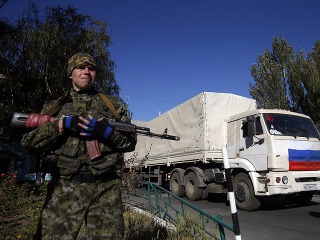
(71, 123)
(87, 125)
(103, 130)
(98, 129)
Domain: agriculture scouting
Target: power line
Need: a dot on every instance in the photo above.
(150, 96)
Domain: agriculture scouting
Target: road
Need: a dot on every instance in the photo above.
(275, 219)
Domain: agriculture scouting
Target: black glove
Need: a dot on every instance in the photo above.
(102, 130)
(70, 123)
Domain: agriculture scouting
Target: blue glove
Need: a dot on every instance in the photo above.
(70, 123)
(90, 125)
(103, 130)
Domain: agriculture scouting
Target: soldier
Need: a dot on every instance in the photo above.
(85, 191)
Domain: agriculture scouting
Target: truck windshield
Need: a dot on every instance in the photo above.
(289, 125)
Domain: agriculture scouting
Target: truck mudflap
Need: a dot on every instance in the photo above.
(304, 160)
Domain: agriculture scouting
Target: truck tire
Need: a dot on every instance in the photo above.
(301, 198)
(193, 191)
(176, 185)
(244, 193)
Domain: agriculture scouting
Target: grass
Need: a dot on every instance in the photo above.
(20, 206)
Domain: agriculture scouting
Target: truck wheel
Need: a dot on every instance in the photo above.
(193, 191)
(176, 185)
(244, 193)
(301, 198)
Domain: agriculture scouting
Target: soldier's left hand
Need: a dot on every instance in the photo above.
(87, 125)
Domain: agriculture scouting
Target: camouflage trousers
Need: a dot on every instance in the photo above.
(82, 211)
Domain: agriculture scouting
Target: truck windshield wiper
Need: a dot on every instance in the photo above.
(290, 131)
(305, 131)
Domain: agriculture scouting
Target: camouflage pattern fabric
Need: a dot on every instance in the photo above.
(79, 59)
(97, 207)
(83, 211)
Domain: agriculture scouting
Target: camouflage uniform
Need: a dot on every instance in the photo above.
(84, 194)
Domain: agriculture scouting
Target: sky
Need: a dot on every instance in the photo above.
(168, 51)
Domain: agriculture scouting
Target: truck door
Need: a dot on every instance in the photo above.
(253, 146)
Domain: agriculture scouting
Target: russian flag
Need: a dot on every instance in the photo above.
(302, 160)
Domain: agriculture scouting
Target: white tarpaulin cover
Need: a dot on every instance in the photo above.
(199, 122)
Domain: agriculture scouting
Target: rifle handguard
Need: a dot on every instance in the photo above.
(35, 120)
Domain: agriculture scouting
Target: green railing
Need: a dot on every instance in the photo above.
(163, 204)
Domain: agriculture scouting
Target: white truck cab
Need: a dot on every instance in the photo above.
(280, 151)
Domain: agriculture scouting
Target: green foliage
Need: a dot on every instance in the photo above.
(271, 75)
(20, 206)
(288, 80)
(34, 54)
(311, 83)
(139, 226)
(188, 228)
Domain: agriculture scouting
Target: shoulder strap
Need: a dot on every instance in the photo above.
(109, 105)
(56, 106)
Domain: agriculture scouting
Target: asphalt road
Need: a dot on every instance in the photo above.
(276, 219)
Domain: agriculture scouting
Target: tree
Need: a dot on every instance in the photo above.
(288, 80)
(271, 76)
(34, 58)
(311, 83)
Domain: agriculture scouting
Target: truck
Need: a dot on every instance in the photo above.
(270, 151)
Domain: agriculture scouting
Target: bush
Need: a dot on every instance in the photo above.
(20, 206)
(138, 226)
(188, 228)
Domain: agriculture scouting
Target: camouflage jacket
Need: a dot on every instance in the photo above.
(70, 151)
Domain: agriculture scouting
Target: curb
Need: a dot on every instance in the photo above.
(158, 220)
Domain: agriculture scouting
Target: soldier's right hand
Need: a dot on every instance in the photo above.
(71, 123)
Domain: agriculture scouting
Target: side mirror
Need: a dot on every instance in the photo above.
(261, 141)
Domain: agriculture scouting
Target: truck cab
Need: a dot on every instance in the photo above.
(278, 150)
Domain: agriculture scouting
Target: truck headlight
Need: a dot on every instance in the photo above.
(285, 180)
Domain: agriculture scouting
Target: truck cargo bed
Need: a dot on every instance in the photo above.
(201, 124)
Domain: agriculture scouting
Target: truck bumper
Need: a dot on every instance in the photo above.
(275, 183)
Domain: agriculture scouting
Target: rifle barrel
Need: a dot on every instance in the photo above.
(156, 135)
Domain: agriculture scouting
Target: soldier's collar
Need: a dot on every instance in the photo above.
(90, 91)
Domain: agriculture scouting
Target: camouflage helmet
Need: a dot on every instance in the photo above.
(79, 59)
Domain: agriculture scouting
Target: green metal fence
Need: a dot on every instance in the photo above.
(163, 204)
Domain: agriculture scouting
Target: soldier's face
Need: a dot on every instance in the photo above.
(83, 77)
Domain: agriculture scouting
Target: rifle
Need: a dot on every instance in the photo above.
(33, 120)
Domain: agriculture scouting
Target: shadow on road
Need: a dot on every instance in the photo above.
(315, 214)
(272, 203)
(217, 198)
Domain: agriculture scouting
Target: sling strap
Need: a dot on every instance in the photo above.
(109, 105)
(56, 106)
